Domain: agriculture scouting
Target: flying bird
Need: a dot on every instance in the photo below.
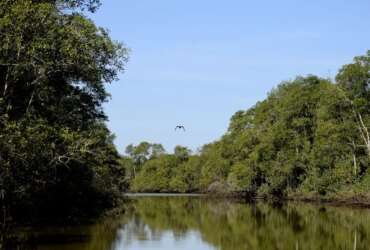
(179, 127)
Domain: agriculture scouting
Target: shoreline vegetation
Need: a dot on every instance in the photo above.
(308, 140)
(57, 157)
(338, 201)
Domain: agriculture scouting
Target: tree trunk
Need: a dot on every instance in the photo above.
(365, 135)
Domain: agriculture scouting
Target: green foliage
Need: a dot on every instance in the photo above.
(57, 157)
(155, 175)
(161, 172)
(54, 65)
(243, 179)
(182, 153)
(310, 135)
(47, 171)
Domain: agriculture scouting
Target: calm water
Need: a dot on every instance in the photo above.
(197, 223)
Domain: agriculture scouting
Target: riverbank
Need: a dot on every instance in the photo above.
(338, 200)
(163, 194)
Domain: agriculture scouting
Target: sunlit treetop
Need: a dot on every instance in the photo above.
(90, 5)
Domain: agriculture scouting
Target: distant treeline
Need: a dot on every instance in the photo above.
(57, 158)
(311, 136)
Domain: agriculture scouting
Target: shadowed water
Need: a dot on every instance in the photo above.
(198, 223)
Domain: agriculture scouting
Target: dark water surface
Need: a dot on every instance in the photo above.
(199, 223)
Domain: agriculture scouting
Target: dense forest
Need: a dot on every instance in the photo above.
(309, 138)
(57, 157)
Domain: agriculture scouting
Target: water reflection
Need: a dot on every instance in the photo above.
(203, 224)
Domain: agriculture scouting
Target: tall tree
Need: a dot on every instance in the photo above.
(55, 148)
(354, 80)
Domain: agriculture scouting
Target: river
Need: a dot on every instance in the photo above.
(200, 223)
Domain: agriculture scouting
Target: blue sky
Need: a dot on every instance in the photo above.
(196, 62)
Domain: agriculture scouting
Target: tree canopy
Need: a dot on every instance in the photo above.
(310, 136)
(56, 154)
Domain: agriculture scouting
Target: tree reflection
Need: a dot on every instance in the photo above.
(233, 226)
(221, 224)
